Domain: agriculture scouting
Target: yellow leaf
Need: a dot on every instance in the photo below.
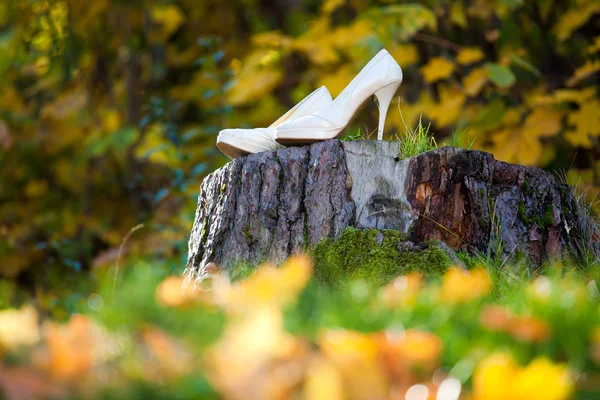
(457, 14)
(172, 292)
(405, 54)
(235, 66)
(270, 59)
(42, 42)
(321, 43)
(262, 113)
(570, 21)
(543, 122)
(583, 72)
(345, 346)
(564, 96)
(594, 47)
(42, 65)
(315, 43)
(319, 53)
(250, 87)
(36, 188)
(323, 381)
(356, 355)
(417, 17)
(587, 123)
(493, 377)
(249, 346)
(156, 147)
(498, 377)
(543, 379)
(330, 6)
(461, 286)
(408, 113)
(169, 17)
(449, 108)
(437, 68)
(515, 145)
(469, 55)
(338, 80)
(271, 39)
(474, 82)
(270, 285)
(345, 37)
(111, 121)
(18, 328)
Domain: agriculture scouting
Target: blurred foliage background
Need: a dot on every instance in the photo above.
(109, 109)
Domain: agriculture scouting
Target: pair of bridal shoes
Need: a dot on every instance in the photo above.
(317, 117)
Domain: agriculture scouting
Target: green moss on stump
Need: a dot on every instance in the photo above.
(373, 256)
(248, 235)
(543, 222)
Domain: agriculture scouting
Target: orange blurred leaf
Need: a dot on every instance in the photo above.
(461, 286)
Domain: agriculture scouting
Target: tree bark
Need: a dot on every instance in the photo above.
(269, 205)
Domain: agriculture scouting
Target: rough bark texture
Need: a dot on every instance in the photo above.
(273, 204)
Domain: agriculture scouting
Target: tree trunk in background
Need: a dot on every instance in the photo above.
(267, 206)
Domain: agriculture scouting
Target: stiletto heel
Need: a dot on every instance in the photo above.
(380, 77)
(384, 98)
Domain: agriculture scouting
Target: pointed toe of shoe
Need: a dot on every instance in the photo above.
(228, 143)
(241, 142)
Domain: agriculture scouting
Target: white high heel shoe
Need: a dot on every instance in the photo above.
(380, 77)
(240, 142)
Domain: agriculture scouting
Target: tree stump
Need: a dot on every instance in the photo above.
(269, 205)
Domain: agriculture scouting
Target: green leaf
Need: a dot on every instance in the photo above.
(403, 21)
(525, 65)
(490, 117)
(500, 75)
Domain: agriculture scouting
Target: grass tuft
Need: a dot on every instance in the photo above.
(462, 140)
(353, 135)
(587, 229)
(417, 141)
